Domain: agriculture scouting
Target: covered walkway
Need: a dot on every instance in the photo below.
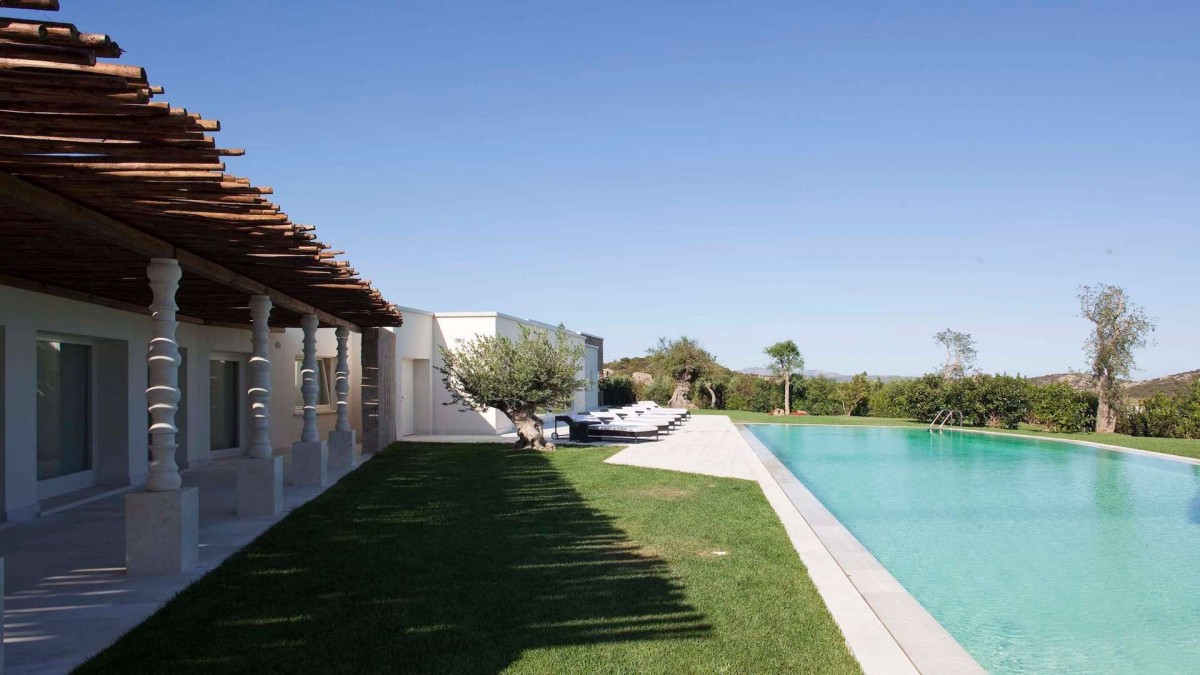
(67, 594)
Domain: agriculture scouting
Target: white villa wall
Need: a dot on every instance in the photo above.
(120, 340)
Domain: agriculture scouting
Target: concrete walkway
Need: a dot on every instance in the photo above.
(66, 592)
(885, 628)
(706, 444)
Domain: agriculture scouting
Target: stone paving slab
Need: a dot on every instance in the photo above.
(705, 444)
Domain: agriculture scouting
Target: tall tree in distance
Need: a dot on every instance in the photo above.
(785, 361)
(685, 361)
(960, 353)
(1120, 328)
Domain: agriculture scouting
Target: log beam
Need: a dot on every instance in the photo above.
(66, 213)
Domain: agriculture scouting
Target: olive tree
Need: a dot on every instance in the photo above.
(960, 353)
(1120, 328)
(520, 378)
(685, 361)
(785, 361)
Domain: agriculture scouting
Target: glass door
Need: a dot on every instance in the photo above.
(64, 408)
(224, 409)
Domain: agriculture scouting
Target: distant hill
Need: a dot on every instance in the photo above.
(1170, 384)
(836, 377)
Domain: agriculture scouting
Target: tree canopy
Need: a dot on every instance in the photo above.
(520, 378)
(785, 361)
(1120, 327)
(685, 361)
(960, 353)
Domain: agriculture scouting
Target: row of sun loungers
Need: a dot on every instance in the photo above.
(644, 421)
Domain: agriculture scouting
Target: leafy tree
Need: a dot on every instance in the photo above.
(1120, 328)
(519, 378)
(685, 361)
(785, 361)
(960, 353)
(821, 396)
(853, 395)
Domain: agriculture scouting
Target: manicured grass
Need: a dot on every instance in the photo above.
(1182, 447)
(474, 559)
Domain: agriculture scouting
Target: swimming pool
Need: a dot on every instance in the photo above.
(1037, 556)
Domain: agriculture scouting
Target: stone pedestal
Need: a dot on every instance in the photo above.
(343, 448)
(309, 462)
(162, 531)
(260, 486)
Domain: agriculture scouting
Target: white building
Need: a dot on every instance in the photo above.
(423, 405)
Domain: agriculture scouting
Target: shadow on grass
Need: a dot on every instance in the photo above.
(428, 559)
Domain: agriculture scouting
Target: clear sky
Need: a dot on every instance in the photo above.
(854, 176)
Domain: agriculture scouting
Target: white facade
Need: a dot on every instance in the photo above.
(422, 402)
(115, 343)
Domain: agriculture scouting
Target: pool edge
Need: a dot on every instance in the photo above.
(859, 592)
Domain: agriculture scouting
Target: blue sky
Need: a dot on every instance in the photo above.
(854, 176)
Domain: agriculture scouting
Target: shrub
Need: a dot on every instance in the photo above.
(659, 391)
(888, 400)
(820, 396)
(617, 390)
(923, 397)
(753, 394)
(1059, 407)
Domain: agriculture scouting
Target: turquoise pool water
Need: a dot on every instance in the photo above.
(1037, 556)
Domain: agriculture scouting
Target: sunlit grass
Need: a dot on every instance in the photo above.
(475, 559)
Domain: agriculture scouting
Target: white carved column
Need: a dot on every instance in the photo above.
(260, 378)
(343, 441)
(310, 454)
(342, 385)
(162, 524)
(162, 392)
(260, 474)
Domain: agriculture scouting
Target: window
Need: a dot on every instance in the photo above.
(224, 395)
(325, 369)
(64, 408)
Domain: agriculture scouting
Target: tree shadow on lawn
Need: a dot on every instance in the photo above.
(428, 559)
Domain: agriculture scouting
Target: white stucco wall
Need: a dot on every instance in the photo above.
(120, 341)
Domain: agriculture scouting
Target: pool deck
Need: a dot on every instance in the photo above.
(886, 629)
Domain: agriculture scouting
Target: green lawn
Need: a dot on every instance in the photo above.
(1172, 446)
(474, 559)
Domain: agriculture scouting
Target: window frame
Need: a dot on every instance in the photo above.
(330, 378)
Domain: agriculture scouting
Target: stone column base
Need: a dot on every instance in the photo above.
(309, 459)
(343, 448)
(260, 486)
(162, 531)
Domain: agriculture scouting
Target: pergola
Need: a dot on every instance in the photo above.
(103, 186)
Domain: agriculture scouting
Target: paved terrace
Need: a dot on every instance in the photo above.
(886, 629)
(66, 593)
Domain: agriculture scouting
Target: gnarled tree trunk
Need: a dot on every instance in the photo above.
(1106, 415)
(679, 398)
(787, 395)
(712, 395)
(529, 430)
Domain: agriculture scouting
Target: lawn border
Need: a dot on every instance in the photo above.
(886, 628)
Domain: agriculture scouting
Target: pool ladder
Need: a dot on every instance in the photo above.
(944, 416)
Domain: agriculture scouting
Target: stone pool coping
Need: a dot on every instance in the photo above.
(885, 627)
